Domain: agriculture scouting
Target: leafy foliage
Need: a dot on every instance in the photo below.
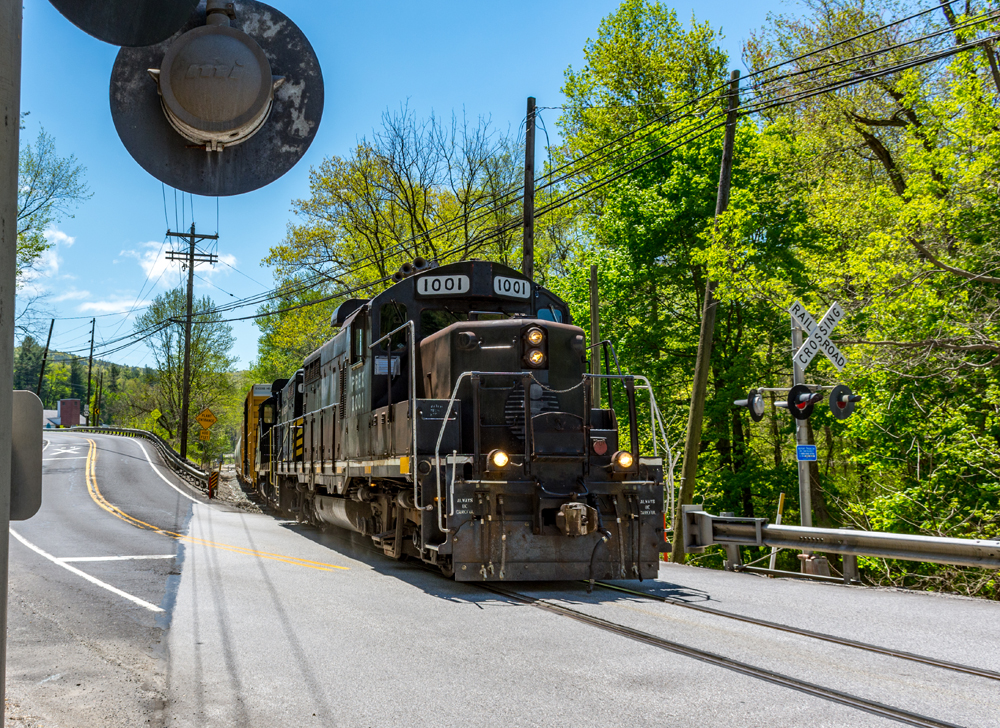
(211, 364)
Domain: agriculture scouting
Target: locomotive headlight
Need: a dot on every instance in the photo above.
(499, 459)
(624, 460)
(536, 357)
(535, 336)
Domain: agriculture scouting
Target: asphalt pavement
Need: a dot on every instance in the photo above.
(266, 622)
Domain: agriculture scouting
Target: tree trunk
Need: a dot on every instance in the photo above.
(740, 461)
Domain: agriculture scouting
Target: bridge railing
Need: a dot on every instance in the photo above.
(182, 466)
(702, 529)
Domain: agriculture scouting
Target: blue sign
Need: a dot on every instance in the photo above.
(805, 453)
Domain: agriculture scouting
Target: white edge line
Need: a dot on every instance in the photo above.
(162, 476)
(88, 577)
(115, 558)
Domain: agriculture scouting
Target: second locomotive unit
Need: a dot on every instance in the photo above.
(452, 419)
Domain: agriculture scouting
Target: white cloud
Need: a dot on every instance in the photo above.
(36, 280)
(152, 258)
(71, 295)
(58, 237)
(111, 305)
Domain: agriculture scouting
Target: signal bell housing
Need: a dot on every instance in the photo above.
(215, 89)
(215, 82)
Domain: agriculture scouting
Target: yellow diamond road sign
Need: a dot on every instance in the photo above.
(206, 419)
(205, 435)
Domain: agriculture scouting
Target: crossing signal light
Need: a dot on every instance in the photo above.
(842, 401)
(754, 403)
(801, 401)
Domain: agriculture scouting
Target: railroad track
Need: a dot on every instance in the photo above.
(923, 659)
(869, 706)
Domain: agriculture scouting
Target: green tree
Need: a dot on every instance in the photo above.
(438, 189)
(77, 385)
(27, 364)
(211, 362)
(648, 104)
(49, 187)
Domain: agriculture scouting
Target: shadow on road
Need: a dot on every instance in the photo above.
(360, 548)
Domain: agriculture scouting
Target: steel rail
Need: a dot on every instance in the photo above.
(933, 662)
(819, 691)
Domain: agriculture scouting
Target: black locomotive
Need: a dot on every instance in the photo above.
(452, 419)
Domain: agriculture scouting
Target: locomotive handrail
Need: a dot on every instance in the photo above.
(655, 419)
(413, 399)
(437, 445)
(605, 345)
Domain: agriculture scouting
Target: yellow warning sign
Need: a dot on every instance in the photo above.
(206, 419)
(205, 435)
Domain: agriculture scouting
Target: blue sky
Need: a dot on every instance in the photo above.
(485, 58)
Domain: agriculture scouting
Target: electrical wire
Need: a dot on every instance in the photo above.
(703, 128)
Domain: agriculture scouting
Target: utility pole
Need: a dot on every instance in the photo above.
(45, 356)
(10, 114)
(595, 338)
(100, 394)
(189, 258)
(692, 445)
(90, 366)
(528, 246)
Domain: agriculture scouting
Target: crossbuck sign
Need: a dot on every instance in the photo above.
(819, 335)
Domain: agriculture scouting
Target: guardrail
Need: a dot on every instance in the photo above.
(183, 467)
(702, 529)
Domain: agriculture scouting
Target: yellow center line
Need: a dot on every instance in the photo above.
(100, 500)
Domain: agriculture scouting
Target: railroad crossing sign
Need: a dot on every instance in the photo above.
(205, 435)
(819, 335)
(206, 419)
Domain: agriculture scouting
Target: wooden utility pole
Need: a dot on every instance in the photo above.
(189, 258)
(692, 445)
(90, 365)
(595, 339)
(45, 356)
(100, 393)
(528, 246)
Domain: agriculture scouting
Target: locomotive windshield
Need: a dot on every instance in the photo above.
(433, 320)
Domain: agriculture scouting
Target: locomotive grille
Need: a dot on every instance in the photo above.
(513, 409)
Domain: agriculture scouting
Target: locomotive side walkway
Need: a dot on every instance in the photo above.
(266, 622)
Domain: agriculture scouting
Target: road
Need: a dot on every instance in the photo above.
(242, 619)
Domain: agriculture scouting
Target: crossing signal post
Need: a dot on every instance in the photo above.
(802, 399)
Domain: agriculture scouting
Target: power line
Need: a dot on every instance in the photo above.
(702, 128)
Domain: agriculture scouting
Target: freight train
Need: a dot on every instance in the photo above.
(454, 418)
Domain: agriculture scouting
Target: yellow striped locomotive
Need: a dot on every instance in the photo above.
(452, 419)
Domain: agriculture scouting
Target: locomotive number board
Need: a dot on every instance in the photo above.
(514, 287)
(457, 285)
(443, 285)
